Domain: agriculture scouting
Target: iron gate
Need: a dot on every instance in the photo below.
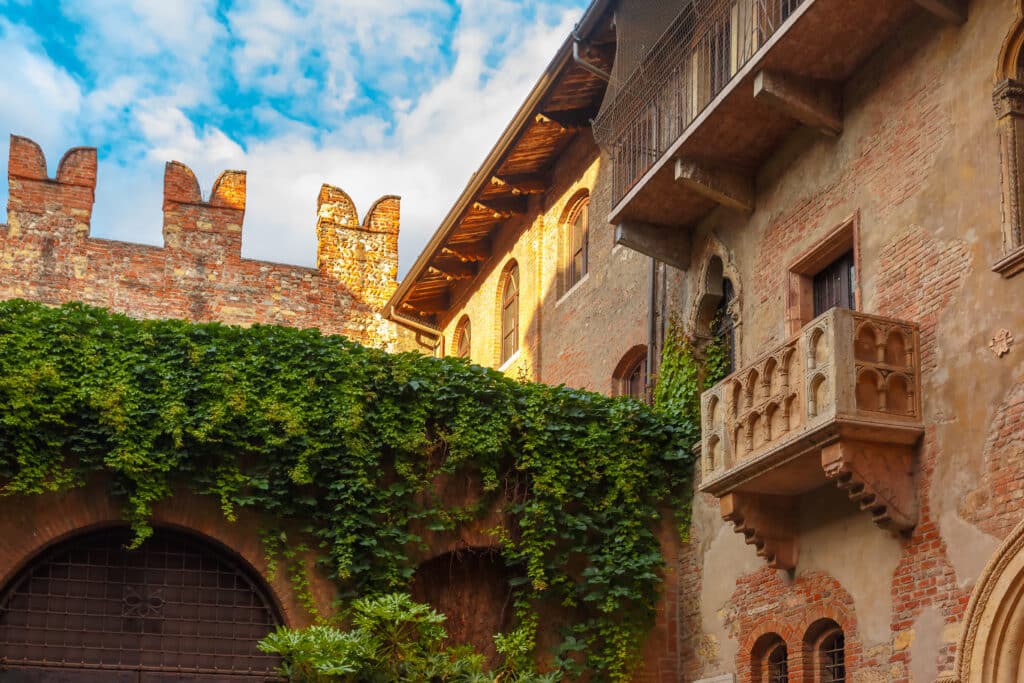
(176, 609)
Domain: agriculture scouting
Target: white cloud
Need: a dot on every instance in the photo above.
(441, 125)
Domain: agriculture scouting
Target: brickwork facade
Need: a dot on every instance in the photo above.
(917, 170)
(46, 254)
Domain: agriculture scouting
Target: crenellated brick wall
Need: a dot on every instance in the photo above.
(48, 255)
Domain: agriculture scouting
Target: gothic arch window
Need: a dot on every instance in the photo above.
(175, 605)
(462, 338)
(508, 298)
(630, 376)
(716, 309)
(1008, 99)
(575, 242)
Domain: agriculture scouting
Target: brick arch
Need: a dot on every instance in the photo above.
(766, 603)
(31, 524)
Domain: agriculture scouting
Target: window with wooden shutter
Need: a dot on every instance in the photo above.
(834, 285)
(510, 313)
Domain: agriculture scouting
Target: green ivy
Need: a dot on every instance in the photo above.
(684, 373)
(344, 441)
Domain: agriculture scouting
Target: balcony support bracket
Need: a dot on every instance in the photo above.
(953, 11)
(814, 104)
(769, 523)
(878, 477)
(670, 245)
(726, 187)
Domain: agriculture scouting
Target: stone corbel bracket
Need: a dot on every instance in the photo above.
(878, 477)
(767, 522)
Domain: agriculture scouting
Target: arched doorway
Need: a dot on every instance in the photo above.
(176, 609)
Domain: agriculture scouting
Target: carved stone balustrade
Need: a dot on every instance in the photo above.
(840, 401)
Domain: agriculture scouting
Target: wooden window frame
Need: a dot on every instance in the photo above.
(570, 276)
(463, 334)
(510, 283)
(633, 360)
(800, 295)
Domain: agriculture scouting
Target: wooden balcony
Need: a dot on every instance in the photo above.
(841, 401)
(729, 81)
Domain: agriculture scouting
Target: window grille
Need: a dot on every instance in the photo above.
(833, 659)
(778, 665)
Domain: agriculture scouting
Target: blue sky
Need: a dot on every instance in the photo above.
(375, 96)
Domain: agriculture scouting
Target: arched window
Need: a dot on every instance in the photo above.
(577, 241)
(832, 658)
(825, 643)
(778, 664)
(723, 325)
(461, 341)
(89, 605)
(630, 376)
(769, 660)
(509, 290)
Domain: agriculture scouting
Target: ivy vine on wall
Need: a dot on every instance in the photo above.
(347, 440)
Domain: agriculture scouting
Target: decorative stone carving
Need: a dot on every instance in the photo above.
(879, 478)
(840, 402)
(1001, 343)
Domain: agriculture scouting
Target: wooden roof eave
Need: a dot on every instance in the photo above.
(528, 115)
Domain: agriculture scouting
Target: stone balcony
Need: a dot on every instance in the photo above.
(840, 401)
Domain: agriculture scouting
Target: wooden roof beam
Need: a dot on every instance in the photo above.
(429, 307)
(555, 123)
(520, 185)
(816, 105)
(469, 253)
(454, 271)
(723, 186)
(502, 208)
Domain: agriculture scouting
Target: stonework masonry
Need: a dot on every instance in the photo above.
(47, 254)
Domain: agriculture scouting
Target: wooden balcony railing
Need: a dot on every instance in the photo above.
(840, 401)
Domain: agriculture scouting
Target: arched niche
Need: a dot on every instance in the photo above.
(716, 278)
(992, 645)
(470, 586)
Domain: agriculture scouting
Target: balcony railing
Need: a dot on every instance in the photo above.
(845, 374)
(703, 48)
(840, 401)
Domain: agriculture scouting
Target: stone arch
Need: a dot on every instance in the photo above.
(623, 375)
(716, 265)
(31, 524)
(991, 648)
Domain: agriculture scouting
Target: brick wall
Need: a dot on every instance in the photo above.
(46, 253)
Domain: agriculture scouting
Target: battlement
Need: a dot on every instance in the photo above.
(199, 273)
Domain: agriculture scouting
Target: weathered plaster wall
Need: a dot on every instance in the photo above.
(918, 160)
